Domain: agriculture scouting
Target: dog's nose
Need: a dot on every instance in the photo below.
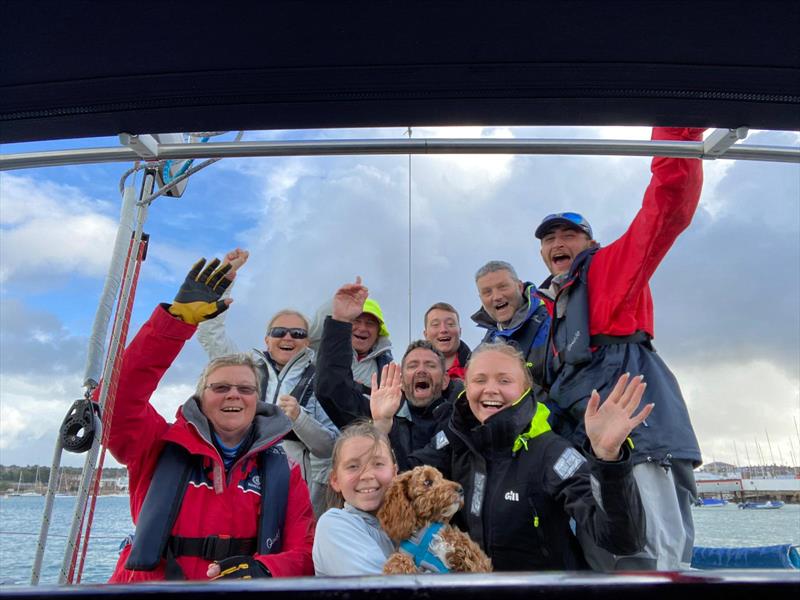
(460, 490)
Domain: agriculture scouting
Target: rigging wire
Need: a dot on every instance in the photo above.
(112, 396)
(409, 132)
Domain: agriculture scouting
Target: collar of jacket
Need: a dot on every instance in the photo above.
(368, 517)
(524, 312)
(384, 344)
(501, 431)
(302, 358)
(553, 284)
(406, 409)
(270, 422)
(463, 353)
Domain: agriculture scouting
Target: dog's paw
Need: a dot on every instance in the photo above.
(399, 564)
(467, 557)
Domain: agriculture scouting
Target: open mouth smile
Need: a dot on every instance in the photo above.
(561, 260)
(492, 405)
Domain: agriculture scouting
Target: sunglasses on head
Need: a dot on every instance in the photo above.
(297, 333)
(569, 216)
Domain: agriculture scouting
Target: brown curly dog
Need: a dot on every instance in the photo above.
(416, 499)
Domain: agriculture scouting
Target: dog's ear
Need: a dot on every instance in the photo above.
(397, 516)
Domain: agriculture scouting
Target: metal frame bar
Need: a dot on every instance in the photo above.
(680, 149)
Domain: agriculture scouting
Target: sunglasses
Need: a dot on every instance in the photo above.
(297, 333)
(224, 388)
(569, 216)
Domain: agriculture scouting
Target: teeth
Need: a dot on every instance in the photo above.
(367, 491)
(491, 404)
(231, 409)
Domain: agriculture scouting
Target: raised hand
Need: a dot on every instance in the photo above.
(289, 405)
(348, 301)
(608, 424)
(236, 259)
(198, 298)
(384, 401)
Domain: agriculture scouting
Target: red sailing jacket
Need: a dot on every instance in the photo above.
(620, 272)
(212, 506)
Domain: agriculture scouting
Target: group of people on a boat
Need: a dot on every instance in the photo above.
(280, 461)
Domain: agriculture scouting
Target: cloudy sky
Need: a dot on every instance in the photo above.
(727, 296)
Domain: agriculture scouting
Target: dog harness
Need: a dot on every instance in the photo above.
(419, 547)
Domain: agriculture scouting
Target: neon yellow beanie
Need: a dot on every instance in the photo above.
(371, 307)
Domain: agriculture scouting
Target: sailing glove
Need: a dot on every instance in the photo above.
(199, 297)
(241, 567)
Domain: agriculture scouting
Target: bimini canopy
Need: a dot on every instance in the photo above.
(86, 68)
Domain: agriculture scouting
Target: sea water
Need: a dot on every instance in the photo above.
(20, 519)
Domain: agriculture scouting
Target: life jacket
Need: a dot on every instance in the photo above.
(153, 540)
(530, 338)
(571, 347)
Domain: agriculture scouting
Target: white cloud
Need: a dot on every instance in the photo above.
(52, 228)
(32, 406)
(741, 403)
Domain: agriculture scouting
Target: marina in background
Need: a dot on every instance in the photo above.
(748, 486)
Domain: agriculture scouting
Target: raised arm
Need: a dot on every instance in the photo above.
(135, 425)
(610, 512)
(212, 334)
(336, 390)
(623, 268)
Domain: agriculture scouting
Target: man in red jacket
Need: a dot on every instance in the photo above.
(602, 325)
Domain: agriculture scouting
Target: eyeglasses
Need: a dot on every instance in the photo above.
(224, 388)
(297, 333)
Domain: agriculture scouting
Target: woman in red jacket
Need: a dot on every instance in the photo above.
(212, 494)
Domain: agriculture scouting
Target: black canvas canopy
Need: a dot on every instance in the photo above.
(74, 68)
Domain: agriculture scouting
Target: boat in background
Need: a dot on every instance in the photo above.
(768, 505)
(710, 502)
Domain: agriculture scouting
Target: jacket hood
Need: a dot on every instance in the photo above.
(527, 308)
(270, 423)
(371, 307)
